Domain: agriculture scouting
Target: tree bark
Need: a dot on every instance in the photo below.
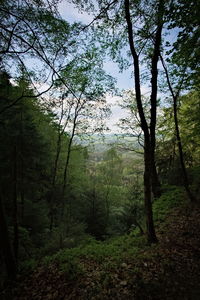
(182, 163)
(151, 235)
(6, 246)
(178, 137)
(21, 164)
(61, 131)
(139, 226)
(153, 98)
(156, 185)
(15, 207)
(148, 149)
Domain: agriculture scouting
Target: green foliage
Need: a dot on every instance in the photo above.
(167, 149)
(172, 197)
(102, 198)
(67, 263)
(72, 269)
(28, 266)
(184, 16)
(190, 126)
(109, 253)
(24, 160)
(28, 136)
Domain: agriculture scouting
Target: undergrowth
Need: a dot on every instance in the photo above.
(171, 198)
(113, 252)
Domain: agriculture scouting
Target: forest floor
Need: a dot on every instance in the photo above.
(167, 270)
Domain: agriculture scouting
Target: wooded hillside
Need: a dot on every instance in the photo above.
(87, 211)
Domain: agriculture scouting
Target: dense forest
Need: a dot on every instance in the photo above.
(88, 211)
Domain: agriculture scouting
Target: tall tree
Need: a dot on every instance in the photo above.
(29, 37)
(175, 97)
(150, 176)
(85, 108)
(23, 160)
(181, 64)
(6, 247)
(144, 42)
(183, 52)
(168, 151)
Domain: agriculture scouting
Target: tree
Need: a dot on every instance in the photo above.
(175, 96)
(168, 151)
(34, 34)
(24, 164)
(181, 64)
(64, 62)
(6, 246)
(84, 110)
(149, 135)
(183, 16)
(109, 176)
(145, 41)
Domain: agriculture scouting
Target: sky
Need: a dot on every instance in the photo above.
(71, 14)
(124, 80)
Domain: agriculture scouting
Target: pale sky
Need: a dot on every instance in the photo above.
(124, 80)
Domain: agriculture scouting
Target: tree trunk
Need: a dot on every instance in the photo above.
(140, 227)
(21, 164)
(6, 246)
(153, 99)
(15, 207)
(148, 150)
(178, 137)
(182, 163)
(51, 202)
(54, 174)
(156, 186)
(151, 235)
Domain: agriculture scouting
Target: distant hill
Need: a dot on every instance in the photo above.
(99, 144)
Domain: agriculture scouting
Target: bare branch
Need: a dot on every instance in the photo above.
(98, 16)
(123, 147)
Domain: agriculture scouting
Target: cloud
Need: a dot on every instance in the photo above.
(71, 14)
(117, 111)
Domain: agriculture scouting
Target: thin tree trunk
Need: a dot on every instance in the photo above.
(51, 208)
(182, 163)
(22, 196)
(140, 227)
(107, 205)
(156, 186)
(15, 207)
(6, 245)
(58, 150)
(153, 98)
(76, 114)
(67, 164)
(65, 172)
(21, 164)
(64, 188)
(151, 236)
(178, 137)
